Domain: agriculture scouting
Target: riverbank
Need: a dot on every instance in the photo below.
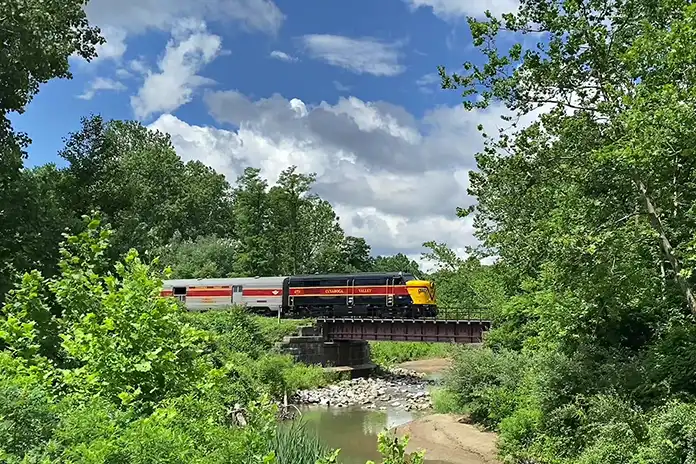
(446, 440)
(349, 415)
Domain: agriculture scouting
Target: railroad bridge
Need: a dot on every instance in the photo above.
(341, 342)
(405, 330)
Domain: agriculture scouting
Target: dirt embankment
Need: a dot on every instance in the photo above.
(446, 440)
(427, 366)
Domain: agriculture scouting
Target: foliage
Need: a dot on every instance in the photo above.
(206, 257)
(390, 353)
(38, 38)
(293, 444)
(585, 197)
(110, 332)
(393, 451)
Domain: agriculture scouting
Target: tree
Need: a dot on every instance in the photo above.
(135, 178)
(396, 263)
(290, 203)
(38, 37)
(355, 254)
(589, 208)
(251, 216)
(599, 62)
(206, 257)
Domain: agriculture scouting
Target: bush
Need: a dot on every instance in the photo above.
(273, 330)
(231, 330)
(28, 414)
(445, 401)
(130, 381)
(484, 384)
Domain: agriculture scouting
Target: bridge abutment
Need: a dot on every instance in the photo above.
(310, 346)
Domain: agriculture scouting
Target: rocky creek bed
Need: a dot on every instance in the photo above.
(394, 388)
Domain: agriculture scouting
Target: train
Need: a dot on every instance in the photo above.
(369, 294)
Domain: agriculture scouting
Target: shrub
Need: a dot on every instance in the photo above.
(484, 383)
(232, 330)
(28, 414)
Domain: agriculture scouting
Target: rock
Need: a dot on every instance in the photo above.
(397, 387)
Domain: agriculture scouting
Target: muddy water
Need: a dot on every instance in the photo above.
(354, 430)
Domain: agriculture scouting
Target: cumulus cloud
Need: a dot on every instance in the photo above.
(189, 50)
(282, 56)
(393, 178)
(100, 84)
(454, 9)
(363, 55)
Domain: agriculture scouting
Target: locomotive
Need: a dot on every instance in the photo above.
(369, 294)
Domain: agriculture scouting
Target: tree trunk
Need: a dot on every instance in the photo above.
(666, 246)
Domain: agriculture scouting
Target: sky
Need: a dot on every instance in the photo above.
(345, 89)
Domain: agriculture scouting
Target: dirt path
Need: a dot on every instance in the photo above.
(446, 440)
(427, 366)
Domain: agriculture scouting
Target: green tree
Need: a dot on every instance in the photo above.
(256, 252)
(206, 257)
(143, 188)
(396, 263)
(289, 204)
(589, 208)
(38, 37)
(355, 254)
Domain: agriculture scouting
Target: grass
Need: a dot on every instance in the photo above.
(293, 444)
(391, 353)
(444, 401)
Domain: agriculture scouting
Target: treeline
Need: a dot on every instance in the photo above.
(590, 209)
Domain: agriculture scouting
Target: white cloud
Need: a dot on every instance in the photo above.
(282, 56)
(189, 50)
(364, 55)
(121, 19)
(101, 83)
(428, 82)
(453, 9)
(137, 16)
(394, 179)
(115, 45)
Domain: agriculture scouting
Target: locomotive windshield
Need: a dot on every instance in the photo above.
(409, 277)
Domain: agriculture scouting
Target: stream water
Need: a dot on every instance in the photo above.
(354, 430)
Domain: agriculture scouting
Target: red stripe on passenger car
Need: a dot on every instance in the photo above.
(205, 292)
(262, 292)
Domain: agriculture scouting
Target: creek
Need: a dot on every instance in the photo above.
(354, 430)
(351, 414)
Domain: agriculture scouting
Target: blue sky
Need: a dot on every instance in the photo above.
(356, 99)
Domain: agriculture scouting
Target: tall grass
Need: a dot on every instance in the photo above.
(294, 444)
